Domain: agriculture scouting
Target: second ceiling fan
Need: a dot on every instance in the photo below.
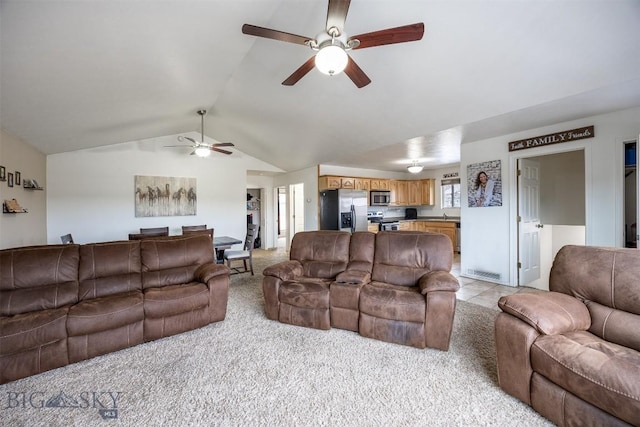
(201, 148)
(332, 44)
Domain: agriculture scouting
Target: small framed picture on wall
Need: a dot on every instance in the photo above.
(18, 178)
(3, 173)
(10, 179)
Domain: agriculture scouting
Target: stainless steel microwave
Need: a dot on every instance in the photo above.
(380, 198)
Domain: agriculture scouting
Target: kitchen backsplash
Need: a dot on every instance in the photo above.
(423, 211)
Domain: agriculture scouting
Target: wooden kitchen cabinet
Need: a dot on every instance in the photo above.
(398, 193)
(327, 182)
(414, 193)
(379, 184)
(406, 226)
(443, 227)
(428, 192)
(348, 182)
(363, 184)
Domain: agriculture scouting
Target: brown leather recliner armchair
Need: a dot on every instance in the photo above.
(297, 291)
(411, 299)
(573, 353)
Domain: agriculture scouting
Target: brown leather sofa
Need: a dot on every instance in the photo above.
(394, 286)
(573, 353)
(61, 304)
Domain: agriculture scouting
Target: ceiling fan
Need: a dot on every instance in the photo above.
(332, 44)
(201, 148)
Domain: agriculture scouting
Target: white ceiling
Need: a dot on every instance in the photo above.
(77, 74)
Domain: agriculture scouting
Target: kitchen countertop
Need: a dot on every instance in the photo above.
(425, 218)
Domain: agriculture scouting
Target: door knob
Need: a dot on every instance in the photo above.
(539, 226)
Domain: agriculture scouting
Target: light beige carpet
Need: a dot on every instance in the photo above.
(250, 371)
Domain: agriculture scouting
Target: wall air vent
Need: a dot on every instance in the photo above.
(484, 274)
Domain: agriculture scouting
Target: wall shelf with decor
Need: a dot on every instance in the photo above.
(12, 207)
(31, 184)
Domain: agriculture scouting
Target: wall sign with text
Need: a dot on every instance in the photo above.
(552, 138)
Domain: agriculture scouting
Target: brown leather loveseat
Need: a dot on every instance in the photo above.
(61, 304)
(394, 286)
(573, 353)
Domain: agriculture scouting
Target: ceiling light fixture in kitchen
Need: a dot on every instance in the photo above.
(415, 167)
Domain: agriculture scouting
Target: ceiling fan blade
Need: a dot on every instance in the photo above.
(406, 33)
(268, 33)
(356, 74)
(337, 14)
(300, 72)
(220, 150)
(183, 145)
(223, 144)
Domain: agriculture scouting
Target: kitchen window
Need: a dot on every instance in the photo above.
(450, 193)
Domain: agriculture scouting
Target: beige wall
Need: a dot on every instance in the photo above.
(30, 228)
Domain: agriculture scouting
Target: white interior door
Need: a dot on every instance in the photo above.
(529, 224)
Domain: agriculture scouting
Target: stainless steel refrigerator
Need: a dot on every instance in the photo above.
(344, 210)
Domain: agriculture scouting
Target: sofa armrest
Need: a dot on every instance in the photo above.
(438, 281)
(550, 313)
(286, 270)
(354, 277)
(206, 272)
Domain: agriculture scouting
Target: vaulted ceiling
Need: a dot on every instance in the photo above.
(77, 74)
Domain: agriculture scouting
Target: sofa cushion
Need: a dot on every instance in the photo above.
(402, 257)
(362, 251)
(400, 303)
(305, 293)
(31, 330)
(322, 254)
(606, 280)
(105, 313)
(109, 268)
(602, 373)
(175, 299)
(36, 278)
(173, 260)
(614, 325)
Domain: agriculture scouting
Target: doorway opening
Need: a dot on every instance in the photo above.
(551, 197)
(630, 195)
(281, 217)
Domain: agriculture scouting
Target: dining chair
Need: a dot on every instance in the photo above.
(246, 254)
(158, 231)
(186, 228)
(67, 239)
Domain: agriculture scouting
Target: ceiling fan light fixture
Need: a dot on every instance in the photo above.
(332, 58)
(415, 168)
(202, 151)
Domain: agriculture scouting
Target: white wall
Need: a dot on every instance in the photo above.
(90, 192)
(309, 178)
(562, 200)
(489, 240)
(23, 229)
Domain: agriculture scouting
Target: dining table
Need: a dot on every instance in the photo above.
(221, 243)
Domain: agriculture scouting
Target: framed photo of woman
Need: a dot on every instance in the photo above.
(10, 179)
(484, 181)
(18, 178)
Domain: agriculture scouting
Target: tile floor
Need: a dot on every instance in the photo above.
(480, 292)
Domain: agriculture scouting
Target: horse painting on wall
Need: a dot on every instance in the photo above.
(165, 196)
